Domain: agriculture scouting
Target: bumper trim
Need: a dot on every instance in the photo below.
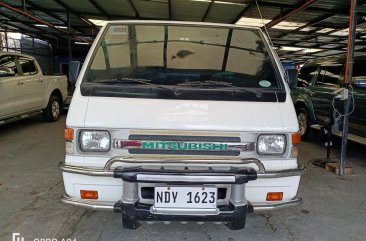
(132, 214)
(109, 206)
(231, 176)
(274, 206)
(196, 179)
(89, 204)
(108, 171)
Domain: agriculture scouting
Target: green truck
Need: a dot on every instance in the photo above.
(317, 96)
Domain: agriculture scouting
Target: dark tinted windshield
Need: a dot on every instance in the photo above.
(193, 57)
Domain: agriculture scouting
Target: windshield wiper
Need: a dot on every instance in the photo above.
(145, 82)
(227, 86)
(125, 80)
(206, 83)
(258, 93)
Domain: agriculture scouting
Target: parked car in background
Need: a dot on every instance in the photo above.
(25, 91)
(317, 96)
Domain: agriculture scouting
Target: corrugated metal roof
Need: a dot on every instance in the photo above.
(188, 10)
(224, 13)
(80, 6)
(331, 4)
(267, 12)
(323, 25)
(152, 9)
(116, 7)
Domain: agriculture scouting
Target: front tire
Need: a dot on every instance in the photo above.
(304, 125)
(53, 110)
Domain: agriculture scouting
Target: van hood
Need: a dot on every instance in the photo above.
(158, 114)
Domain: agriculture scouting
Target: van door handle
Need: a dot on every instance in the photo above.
(40, 80)
(20, 82)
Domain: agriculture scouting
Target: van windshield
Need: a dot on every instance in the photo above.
(178, 58)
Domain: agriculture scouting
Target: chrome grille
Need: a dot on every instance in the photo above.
(185, 138)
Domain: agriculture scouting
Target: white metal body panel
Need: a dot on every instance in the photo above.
(156, 114)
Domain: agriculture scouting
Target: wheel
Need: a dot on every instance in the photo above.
(53, 110)
(303, 120)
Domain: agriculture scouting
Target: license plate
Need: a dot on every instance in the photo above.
(185, 197)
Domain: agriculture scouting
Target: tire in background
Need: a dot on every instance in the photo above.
(53, 110)
(304, 124)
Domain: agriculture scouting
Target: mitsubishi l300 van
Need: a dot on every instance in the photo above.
(181, 121)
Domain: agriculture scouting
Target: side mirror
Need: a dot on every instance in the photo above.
(360, 84)
(292, 78)
(74, 69)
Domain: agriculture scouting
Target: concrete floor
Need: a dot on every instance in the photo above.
(30, 185)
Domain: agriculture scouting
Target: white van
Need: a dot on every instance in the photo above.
(181, 121)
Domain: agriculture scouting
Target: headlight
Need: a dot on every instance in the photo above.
(271, 144)
(95, 141)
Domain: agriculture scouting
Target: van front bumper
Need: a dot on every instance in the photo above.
(108, 171)
(232, 213)
(109, 206)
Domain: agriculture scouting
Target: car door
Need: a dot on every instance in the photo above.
(357, 119)
(34, 85)
(11, 88)
(324, 89)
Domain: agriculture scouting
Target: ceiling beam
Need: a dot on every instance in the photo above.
(33, 22)
(306, 47)
(291, 7)
(207, 10)
(311, 23)
(49, 13)
(16, 20)
(134, 8)
(170, 11)
(299, 53)
(305, 4)
(305, 34)
(277, 40)
(241, 14)
(99, 8)
(25, 14)
(36, 32)
(27, 31)
(80, 13)
(336, 39)
(70, 10)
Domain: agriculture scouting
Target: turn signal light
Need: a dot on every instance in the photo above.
(69, 134)
(274, 196)
(88, 194)
(296, 139)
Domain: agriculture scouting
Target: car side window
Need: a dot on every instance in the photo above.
(8, 66)
(28, 66)
(329, 76)
(306, 74)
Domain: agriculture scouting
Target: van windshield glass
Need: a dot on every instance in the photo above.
(182, 56)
